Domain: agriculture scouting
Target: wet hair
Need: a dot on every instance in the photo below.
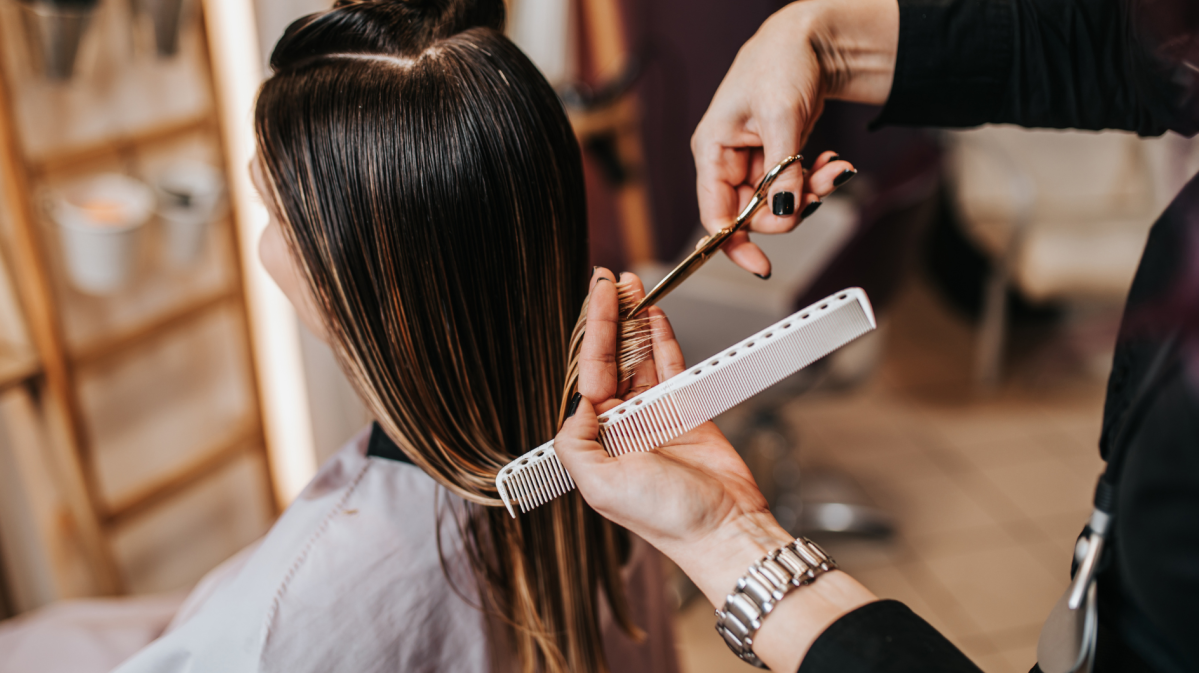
(431, 190)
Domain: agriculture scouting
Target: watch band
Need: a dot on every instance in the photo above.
(762, 587)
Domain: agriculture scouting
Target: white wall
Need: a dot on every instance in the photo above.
(337, 412)
(275, 15)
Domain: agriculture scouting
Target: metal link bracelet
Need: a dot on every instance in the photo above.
(762, 587)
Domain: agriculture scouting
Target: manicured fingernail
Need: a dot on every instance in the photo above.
(835, 157)
(845, 176)
(765, 277)
(573, 406)
(807, 212)
(784, 203)
(594, 269)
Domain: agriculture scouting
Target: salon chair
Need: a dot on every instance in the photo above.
(1061, 216)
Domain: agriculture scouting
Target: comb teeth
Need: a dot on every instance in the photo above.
(533, 479)
(646, 427)
(699, 394)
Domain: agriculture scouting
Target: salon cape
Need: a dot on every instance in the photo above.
(349, 579)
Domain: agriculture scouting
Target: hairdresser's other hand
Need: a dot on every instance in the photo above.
(688, 493)
(694, 498)
(770, 99)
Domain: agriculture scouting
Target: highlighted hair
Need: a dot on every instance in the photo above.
(431, 190)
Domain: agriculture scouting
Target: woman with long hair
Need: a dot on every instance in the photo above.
(429, 223)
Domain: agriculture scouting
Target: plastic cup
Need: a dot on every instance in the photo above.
(189, 200)
(100, 219)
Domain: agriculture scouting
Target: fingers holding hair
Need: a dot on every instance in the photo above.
(668, 356)
(597, 355)
(598, 272)
(645, 376)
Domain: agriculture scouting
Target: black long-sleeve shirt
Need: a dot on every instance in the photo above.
(1088, 64)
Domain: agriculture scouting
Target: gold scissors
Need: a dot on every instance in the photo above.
(711, 243)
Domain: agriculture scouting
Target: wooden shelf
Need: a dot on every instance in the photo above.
(159, 326)
(244, 438)
(119, 370)
(159, 293)
(76, 157)
(16, 367)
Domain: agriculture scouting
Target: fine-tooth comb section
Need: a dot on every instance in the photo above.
(699, 394)
(647, 426)
(533, 479)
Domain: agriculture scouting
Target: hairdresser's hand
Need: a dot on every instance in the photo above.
(694, 498)
(769, 101)
(689, 493)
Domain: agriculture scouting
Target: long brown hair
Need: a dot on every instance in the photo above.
(431, 190)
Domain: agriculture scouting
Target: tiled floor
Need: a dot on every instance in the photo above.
(989, 490)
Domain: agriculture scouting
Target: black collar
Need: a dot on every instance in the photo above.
(381, 446)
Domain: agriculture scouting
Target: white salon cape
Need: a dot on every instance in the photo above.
(350, 579)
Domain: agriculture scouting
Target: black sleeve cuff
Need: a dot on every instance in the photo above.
(884, 637)
(953, 64)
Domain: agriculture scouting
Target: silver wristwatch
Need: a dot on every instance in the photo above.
(760, 589)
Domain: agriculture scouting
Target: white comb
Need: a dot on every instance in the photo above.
(699, 394)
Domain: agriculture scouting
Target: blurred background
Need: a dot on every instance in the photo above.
(159, 404)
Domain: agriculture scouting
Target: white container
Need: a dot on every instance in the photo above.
(100, 219)
(189, 200)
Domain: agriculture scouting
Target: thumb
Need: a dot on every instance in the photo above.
(576, 443)
(586, 461)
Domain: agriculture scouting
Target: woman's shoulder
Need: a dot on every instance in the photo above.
(356, 512)
(351, 572)
(371, 579)
(361, 510)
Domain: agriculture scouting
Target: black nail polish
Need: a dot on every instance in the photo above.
(835, 157)
(807, 212)
(573, 405)
(603, 278)
(784, 204)
(594, 269)
(845, 176)
(766, 277)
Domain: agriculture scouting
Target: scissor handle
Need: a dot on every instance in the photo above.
(760, 193)
(712, 242)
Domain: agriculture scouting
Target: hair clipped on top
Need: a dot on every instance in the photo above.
(431, 190)
(393, 28)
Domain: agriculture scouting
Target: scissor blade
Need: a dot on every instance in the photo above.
(672, 280)
(708, 246)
